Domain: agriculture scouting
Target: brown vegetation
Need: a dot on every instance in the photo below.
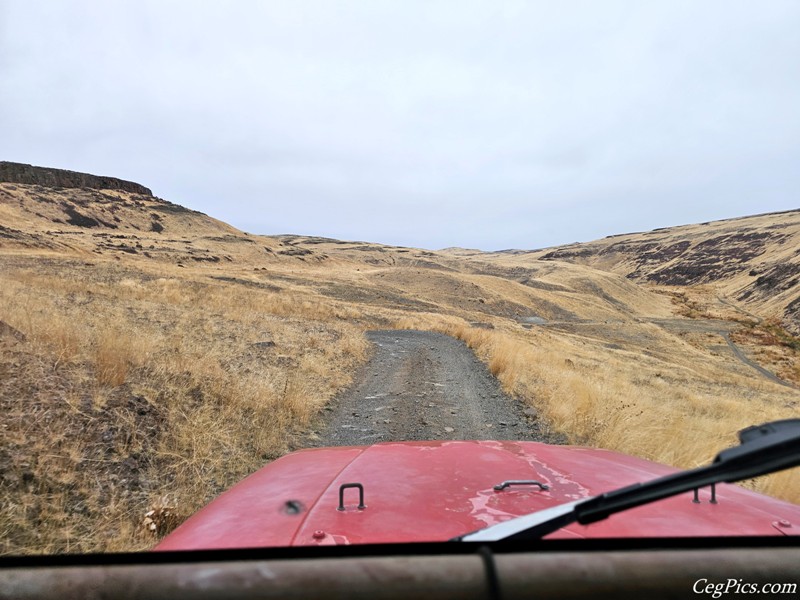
(145, 369)
(752, 260)
(132, 388)
(677, 414)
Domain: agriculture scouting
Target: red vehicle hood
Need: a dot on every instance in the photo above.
(434, 491)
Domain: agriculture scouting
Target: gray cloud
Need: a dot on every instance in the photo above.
(480, 124)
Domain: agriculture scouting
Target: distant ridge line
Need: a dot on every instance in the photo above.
(11, 172)
(644, 232)
(685, 225)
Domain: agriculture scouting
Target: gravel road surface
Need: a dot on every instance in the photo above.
(421, 385)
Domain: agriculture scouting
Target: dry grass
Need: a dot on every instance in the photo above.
(155, 382)
(771, 346)
(633, 406)
(157, 387)
(114, 355)
(676, 404)
(136, 385)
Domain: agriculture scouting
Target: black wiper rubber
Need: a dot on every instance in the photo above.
(764, 449)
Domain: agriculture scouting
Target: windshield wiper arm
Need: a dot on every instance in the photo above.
(763, 449)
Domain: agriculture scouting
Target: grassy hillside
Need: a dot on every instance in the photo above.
(151, 356)
(750, 261)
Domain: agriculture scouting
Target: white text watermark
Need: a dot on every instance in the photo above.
(739, 586)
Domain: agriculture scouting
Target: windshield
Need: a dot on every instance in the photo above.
(333, 243)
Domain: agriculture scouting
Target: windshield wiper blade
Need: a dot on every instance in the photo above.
(763, 449)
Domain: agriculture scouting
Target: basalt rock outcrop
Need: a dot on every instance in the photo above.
(755, 260)
(12, 172)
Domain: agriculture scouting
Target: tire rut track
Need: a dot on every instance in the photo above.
(421, 385)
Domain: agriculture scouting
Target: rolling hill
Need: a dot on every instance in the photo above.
(753, 261)
(151, 355)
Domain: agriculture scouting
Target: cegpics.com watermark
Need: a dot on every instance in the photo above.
(718, 589)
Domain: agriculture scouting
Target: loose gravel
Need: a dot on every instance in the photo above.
(421, 385)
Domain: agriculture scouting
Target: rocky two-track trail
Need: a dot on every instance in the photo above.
(421, 385)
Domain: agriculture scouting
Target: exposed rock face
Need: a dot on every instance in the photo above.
(28, 174)
(709, 260)
(755, 260)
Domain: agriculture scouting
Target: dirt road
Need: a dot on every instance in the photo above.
(421, 385)
(675, 326)
(724, 330)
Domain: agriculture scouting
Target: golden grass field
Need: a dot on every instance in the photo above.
(148, 368)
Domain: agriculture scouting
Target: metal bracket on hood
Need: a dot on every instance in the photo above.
(501, 486)
(343, 487)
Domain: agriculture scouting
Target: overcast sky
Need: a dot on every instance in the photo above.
(477, 124)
